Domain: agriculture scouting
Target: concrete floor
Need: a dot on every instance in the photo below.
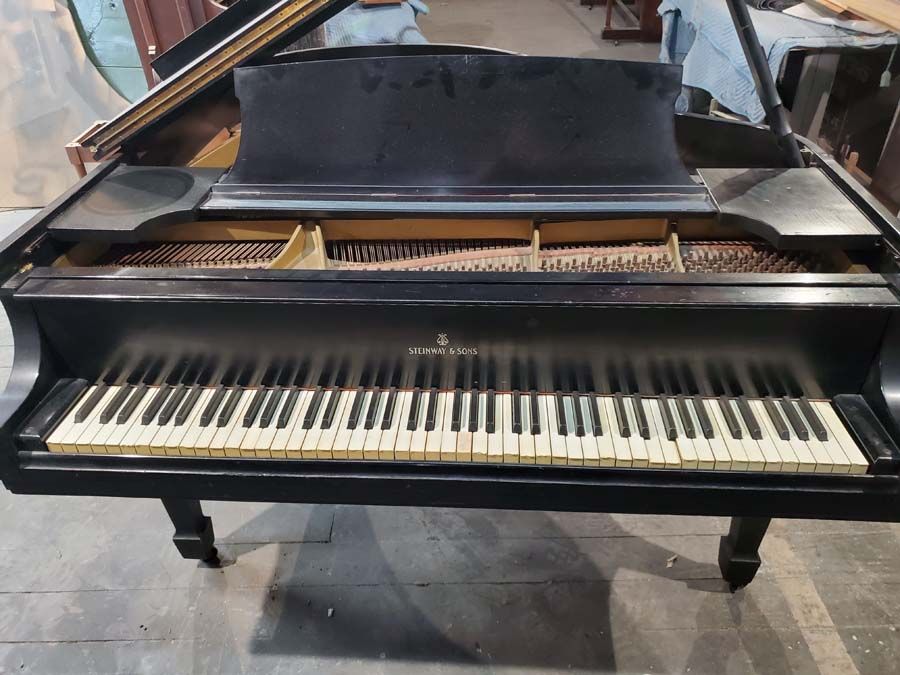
(95, 585)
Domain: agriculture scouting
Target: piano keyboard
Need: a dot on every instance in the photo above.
(662, 432)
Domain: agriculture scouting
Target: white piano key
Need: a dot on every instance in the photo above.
(526, 438)
(175, 444)
(449, 437)
(495, 439)
(756, 461)
(858, 462)
(58, 440)
(358, 435)
(739, 460)
(817, 449)
(419, 435)
(282, 438)
(310, 448)
(465, 437)
(404, 435)
(435, 437)
(806, 461)
(388, 439)
(636, 443)
(605, 449)
(574, 451)
(510, 439)
(480, 437)
(669, 450)
(340, 447)
(620, 444)
(92, 424)
(119, 440)
(784, 449)
(250, 443)
(236, 427)
(706, 458)
(655, 457)
(543, 452)
(293, 447)
(267, 435)
(558, 451)
(101, 439)
(772, 457)
(373, 435)
(326, 440)
(721, 457)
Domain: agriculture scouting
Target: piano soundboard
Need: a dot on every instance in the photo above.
(435, 290)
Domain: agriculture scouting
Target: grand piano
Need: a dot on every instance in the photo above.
(452, 276)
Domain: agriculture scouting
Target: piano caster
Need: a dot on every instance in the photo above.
(739, 551)
(194, 535)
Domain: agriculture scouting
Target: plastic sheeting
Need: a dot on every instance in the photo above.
(49, 93)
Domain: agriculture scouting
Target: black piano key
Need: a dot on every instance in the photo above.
(171, 407)
(579, 415)
(189, 402)
(562, 428)
(490, 412)
(206, 417)
(110, 410)
(705, 423)
(388, 419)
(812, 419)
(373, 409)
(535, 415)
(137, 395)
(229, 406)
(517, 412)
(309, 418)
(621, 415)
(331, 408)
(730, 420)
(153, 408)
(640, 416)
(356, 408)
(88, 406)
(253, 409)
(777, 420)
(431, 410)
(749, 419)
(473, 411)
(686, 420)
(268, 413)
(668, 419)
(596, 424)
(457, 410)
(794, 418)
(287, 409)
(412, 422)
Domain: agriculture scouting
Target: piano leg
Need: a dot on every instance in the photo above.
(194, 535)
(739, 551)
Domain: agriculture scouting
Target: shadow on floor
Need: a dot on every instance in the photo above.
(564, 622)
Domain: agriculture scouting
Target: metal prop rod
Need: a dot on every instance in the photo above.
(776, 115)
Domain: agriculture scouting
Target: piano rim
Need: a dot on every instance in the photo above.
(463, 485)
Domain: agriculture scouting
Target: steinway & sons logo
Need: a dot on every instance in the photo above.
(444, 348)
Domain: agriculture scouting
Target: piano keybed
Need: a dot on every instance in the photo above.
(369, 423)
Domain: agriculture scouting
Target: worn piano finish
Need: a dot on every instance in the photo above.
(294, 322)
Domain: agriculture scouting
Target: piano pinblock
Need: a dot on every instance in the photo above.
(739, 551)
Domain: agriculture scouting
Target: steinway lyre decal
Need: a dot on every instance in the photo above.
(444, 348)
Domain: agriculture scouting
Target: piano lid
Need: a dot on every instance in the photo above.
(459, 133)
(207, 59)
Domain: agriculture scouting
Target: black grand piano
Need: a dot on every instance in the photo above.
(453, 276)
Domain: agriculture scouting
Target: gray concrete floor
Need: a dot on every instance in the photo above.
(95, 586)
